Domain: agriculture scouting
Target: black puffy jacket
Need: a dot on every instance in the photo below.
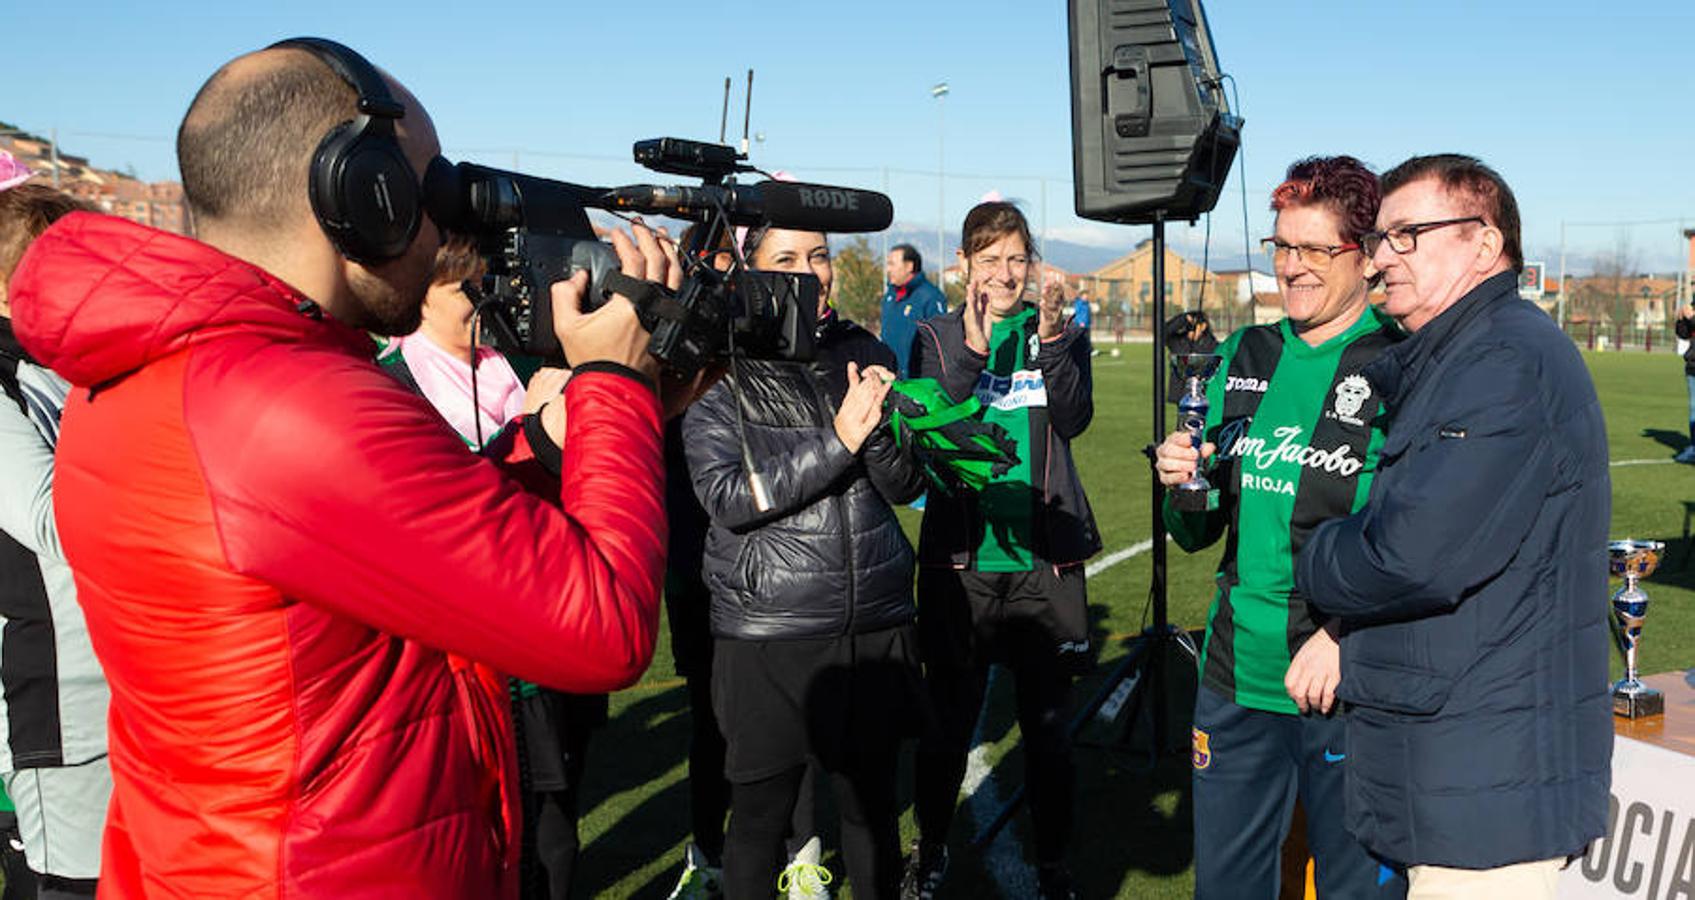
(829, 557)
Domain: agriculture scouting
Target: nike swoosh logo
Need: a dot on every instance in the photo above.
(1334, 757)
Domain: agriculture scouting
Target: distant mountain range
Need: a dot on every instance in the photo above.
(1073, 257)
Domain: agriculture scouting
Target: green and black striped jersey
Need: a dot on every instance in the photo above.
(1298, 429)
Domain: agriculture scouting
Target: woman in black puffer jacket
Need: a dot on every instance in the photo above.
(812, 611)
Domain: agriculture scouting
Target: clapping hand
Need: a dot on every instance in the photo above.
(862, 409)
(976, 320)
(1051, 312)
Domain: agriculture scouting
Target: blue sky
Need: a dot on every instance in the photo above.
(1588, 109)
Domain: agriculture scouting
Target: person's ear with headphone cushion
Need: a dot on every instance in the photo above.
(364, 192)
(369, 202)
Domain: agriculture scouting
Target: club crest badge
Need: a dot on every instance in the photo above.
(1200, 753)
(1351, 395)
(1033, 347)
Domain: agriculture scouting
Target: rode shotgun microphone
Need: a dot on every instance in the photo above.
(783, 204)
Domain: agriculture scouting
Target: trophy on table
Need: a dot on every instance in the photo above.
(1194, 495)
(1633, 561)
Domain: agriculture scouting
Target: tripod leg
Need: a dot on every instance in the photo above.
(1128, 667)
(1007, 811)
(1155, 685)
(1153, 692)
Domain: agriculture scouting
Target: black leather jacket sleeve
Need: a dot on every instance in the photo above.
(811, 459)
(893, 470)
(1069, 377)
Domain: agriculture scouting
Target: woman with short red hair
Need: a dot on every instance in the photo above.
(1292, 437)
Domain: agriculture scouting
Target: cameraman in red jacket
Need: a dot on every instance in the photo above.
(296, 575)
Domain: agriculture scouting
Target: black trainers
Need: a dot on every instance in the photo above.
(1054, 883)
(924, 872)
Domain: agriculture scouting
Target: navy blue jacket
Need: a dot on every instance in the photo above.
(1472, 591)
(900, 317)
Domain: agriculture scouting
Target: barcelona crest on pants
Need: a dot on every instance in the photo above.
(1201, 753)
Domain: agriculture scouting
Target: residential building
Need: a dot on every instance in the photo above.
(158, 204)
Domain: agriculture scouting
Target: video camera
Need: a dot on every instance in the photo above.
(535, 231)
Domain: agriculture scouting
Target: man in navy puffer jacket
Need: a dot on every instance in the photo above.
(1474, 636)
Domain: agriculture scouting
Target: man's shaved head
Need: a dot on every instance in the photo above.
(245, 150)
(245, 147)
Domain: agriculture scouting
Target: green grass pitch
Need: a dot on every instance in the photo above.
(1132, 833)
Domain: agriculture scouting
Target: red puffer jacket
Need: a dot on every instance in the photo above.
(285, 558)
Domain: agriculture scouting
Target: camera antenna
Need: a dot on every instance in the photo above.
(724, 117)
(747, 112)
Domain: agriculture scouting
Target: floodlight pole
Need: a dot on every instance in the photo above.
(1042, 241)
(883, 258)
(939, 91)
(1683, 284)
(1560, 306)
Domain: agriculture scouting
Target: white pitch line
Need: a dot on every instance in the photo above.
(1641, 462)
(1003, 861)
(1005, 865)
(1116, 557)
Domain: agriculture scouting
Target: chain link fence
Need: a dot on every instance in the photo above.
(1124, 307)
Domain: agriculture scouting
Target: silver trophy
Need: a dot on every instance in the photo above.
(1633, 561)
(1194, 495)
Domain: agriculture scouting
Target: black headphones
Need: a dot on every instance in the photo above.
(364, 192)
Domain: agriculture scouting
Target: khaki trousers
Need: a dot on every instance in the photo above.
(1524, 881)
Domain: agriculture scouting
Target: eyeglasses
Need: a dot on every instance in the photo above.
(1316, 258)
(1403, 239)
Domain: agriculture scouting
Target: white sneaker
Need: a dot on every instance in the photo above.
(699, 881)
(924, 872)
(805, 878)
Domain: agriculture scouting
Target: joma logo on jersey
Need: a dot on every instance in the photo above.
(1241, 383)
(1339, 461)
(1021, 389)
